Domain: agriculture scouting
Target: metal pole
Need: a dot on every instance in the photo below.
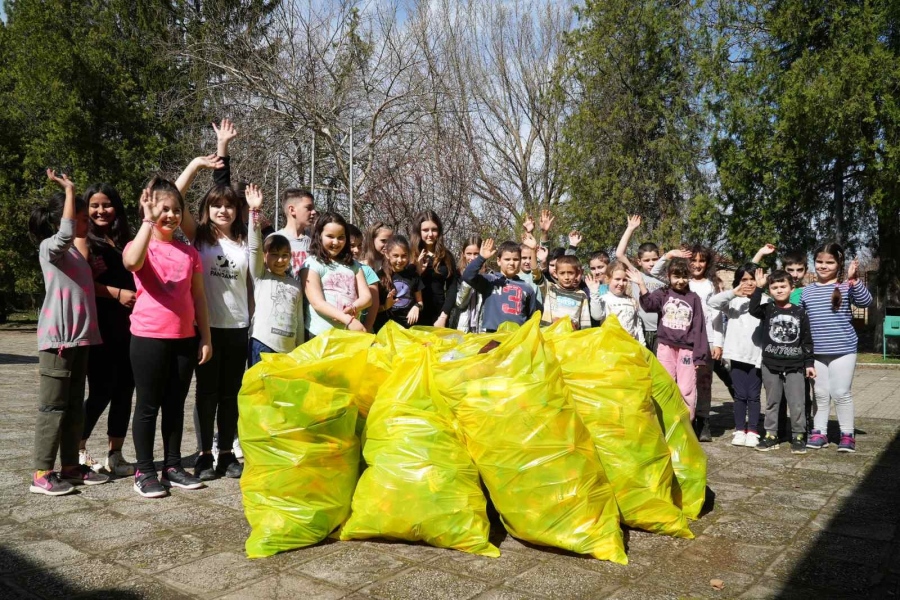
(351, 174)
(277, 188)
(312, 166)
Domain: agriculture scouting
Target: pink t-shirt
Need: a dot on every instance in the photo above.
(164, 307)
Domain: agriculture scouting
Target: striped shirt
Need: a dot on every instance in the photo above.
(832, 331)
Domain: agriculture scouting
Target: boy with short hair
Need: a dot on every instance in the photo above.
(647, 255)
(299, 215)
(565, 299)
(787, 356)
(505, 296)
(794, 263)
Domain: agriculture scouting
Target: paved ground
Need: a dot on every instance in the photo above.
(821, 525)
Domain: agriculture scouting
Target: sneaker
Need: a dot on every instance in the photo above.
(817, 440)
(848, 443)
(50, 484)
(203, 468)
(739, 438)
(178, 477)
(83, 474)
(752, 439)
(770, 442)
(705, 434)
(148, 486)
(117, 465)
(87, 460)
(798, 444)
(236, 448)
(228, 466)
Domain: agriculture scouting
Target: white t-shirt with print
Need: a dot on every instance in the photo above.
(225, 267)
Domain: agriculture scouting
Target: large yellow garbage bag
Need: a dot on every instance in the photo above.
(688, 458)
(605, 370)
(397, 338)
(301, 455)
(421, 484)
(534, 454)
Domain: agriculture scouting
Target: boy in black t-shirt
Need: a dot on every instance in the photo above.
(787, 357)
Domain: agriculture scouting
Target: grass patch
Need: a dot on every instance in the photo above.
(867, 357)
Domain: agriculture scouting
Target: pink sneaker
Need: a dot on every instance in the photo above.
(50, 485)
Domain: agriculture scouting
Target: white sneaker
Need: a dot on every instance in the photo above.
(739, 438)
(236, 448)
(118, 466)
(752, 439)
(87, 460)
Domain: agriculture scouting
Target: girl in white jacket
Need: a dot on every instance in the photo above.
(743, 348)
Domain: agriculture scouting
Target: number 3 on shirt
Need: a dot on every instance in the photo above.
(513, 300)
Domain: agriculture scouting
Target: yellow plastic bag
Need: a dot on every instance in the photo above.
(533, 452)
(421, 484)
(688, 458)
(301, 455)
(605, 370)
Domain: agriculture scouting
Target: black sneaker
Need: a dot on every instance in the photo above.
(705, 435)
(770, 442)
(798, 444)
(228, 466)
(148, 486)
(178, 477)
(203, 468)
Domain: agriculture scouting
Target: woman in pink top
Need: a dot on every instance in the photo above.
(165, 347)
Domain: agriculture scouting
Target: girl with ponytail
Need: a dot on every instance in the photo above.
(827, 303)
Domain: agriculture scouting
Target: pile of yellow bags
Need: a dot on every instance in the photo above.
(572, 434)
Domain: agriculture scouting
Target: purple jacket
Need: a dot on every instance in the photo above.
(681, 321)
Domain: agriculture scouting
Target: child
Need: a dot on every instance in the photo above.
(333, 284)
(221, 241)
(434, 263)
(705, 284)
(376, 237)
(599, 265)
(743, 348)
(615, 300)
(787, 355)
(299, 215)
(682, 346)
(468, 304)
(277, 324)
(564, 299)
(827, 302)
(170, 297)
(647, 254)
(67, 328)
(794, 263)
(403, 301)
(110, 378)
(505, 297)
(356, 242)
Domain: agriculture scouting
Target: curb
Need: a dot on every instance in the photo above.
(878, 365)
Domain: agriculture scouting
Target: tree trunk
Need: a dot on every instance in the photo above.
(839, 232)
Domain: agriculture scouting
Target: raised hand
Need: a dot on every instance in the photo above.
(528, 239)
(254, 197)
(634, 275)
(528, 223)
(761, 279)
(423, 260)
(211, 161)
(542, 254)
(853, 270)
(151, 209)
(767, 249)
(389, 300)
(488, 249)
(679, 253)
(634, 221)
(593, 283)
(225, 132)
(62, 180)
(575, 238)
(547, 219)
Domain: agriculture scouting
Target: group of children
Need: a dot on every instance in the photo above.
(207, 295)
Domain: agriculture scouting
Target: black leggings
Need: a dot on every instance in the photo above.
(218, 384)
(110, 383)
(162, 379)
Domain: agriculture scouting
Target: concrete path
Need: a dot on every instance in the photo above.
(822, 525)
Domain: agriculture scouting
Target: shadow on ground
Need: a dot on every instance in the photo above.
(18, 359)
(36, 581)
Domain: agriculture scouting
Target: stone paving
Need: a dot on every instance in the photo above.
(821, 525)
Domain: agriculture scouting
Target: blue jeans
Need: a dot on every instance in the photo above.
(256, 347)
